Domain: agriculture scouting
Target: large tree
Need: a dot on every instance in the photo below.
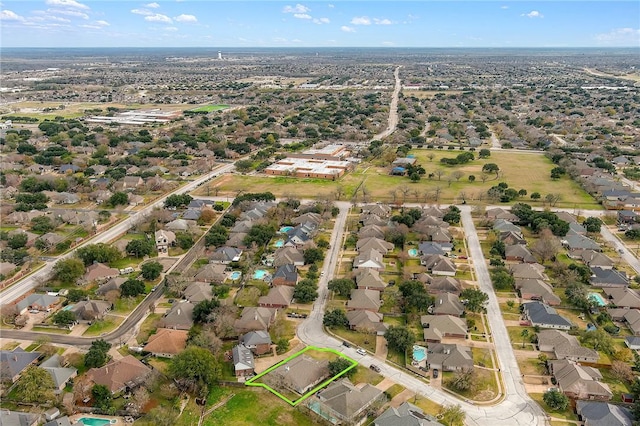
(339, 365)
(453, 415)
(140, 247)
(97, 354)
(101, 252)
(335, 318)
(342, 286)
(151, 270)
(63, 317)
(556, 399)
(195, 370)
(102, 397)
(305, 291)
(35, 385)
(399, 338)
(476, 299)
(68, 270)
(132, 288)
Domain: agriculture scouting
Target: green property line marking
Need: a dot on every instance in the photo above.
(251, 381)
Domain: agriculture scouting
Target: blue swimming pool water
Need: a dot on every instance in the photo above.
(279, 243)
(259, 274)
(597, 299)
(285, 229)
(419, 353)
(235, 275)
(413, 252)
(67, 308)
(94, 421)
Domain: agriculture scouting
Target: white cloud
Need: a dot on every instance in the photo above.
(74, 13)
(143, 12)
(620, 37)
(153, 5)
(533, 14)
(347, 29)
(8, 15)
(90, 27)
(330, 6)
(68, 3)
(298, 8)
(382, 21)
(102, 23)
(301, 16)
(321, 21)
(186, 18)
(171, 29)
(504, 7)
(361, 20)
(157, 17)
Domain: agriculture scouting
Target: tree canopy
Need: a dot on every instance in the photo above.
(151, 270)
(399, 338)
(68, 270)
(195, 370)
(35, 385)
(342, 286)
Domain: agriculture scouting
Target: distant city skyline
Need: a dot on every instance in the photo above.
(205, 23)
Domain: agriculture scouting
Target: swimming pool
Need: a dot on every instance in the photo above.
(597, 299)
(94, 421)
(419, 353)
(67, 308)
(279, 243)
(285, 229)
(235, 275)
(259, 274)
(413, 252)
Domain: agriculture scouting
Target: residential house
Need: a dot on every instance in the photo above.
(178, 225)
(129, 183)
(51, 239)
(512, 238)
(448, 304)
(343, 403)
(297, 237)
(285, 275)
(90, 310)
(576, 229)
(258, 342)
(443, 284)
(301, 374)
(60, 375)
(427, 248)
(406, 414)
(500, 213)
(439, 265)
(6, 268)
(382, 246)
(38, 301)
(565, 346)
(179, 317)
(99, 272)
(579, 242)
(308, 217)
(19, 418)
(371, 231)
(364, 299)
(369, 279)
(111, 285)
(255, 318)
(594, 259)
(579, 382)
(437, 327)
(13, 363)
(381, 210)
(197, 292)
(544, 316)
(278, 297)
(371, 258)
(599, 413)
(164, 240)
(439, 234)
(243, 362)
(449, 357)
(167, 342)
(237, 240)
(64, 198)
(632, 342)
(503, 225)
(288, 255)
(608, 278)
(519, 253)
(533, 271)
(535, 289)
(120, 375)
(366, 321)
(212, 273)
(627, 217)
(225, 255)
(623, 297)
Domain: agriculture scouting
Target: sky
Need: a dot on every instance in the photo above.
(360, 23)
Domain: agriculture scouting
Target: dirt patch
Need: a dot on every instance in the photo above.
(385, 384)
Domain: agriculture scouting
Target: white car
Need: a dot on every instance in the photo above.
(361, 351)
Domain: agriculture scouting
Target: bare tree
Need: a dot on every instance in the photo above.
(547, 246)
(439, 173)
(457, 175)
(431, 156)
(437, 191)
(404, 189)
(339, 192)
(484, 177)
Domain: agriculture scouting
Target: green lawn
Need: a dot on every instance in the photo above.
(250, 407)
(100, 327)
(485, 389)
(366, 375)
(394, 390)
(520, 170)
(363, 340)
(567, 414)
(210, 108)
(148, 326)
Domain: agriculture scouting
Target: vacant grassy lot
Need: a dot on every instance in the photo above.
(74, 109)
(210, 108)
(520, 170)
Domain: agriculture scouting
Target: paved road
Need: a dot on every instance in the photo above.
(626, 254)
(393, 108)
(34, 280)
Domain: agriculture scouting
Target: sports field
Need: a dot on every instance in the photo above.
(520, 170)
(209, 108)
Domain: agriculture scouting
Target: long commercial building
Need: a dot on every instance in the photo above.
(307, 167)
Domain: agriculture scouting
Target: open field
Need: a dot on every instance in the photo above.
(521, 170)
(209, 108)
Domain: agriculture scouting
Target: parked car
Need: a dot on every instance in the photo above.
(375, 368)
(435, 373)
(361, 351)
(346, 344)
